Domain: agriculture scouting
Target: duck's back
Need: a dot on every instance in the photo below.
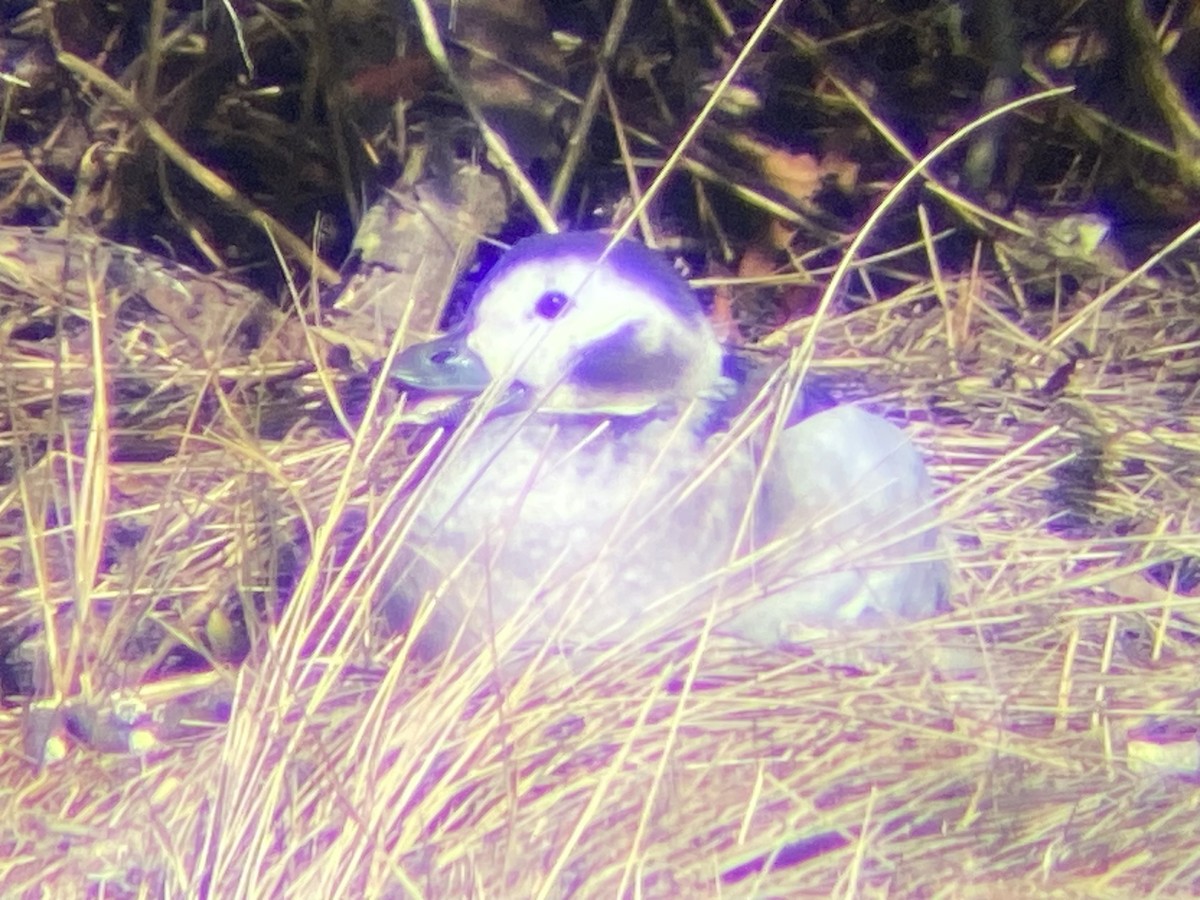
(849, 520)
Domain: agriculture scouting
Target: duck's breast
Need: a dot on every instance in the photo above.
(572, 531)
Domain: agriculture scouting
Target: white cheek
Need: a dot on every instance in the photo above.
(507, 343)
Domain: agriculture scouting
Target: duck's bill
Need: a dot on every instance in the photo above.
(446, 367)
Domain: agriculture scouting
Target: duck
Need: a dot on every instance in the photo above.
(594, 491)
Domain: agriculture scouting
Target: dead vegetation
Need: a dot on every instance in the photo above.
(195, 478)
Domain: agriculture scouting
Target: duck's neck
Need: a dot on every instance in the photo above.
(699, 418)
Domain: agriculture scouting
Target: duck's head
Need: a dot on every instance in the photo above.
(575, 324)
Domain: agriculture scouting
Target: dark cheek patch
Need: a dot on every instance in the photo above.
(619, 364)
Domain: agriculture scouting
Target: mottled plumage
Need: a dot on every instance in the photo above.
(594, 499)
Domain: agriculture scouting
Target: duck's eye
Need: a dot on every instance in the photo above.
(550, 304)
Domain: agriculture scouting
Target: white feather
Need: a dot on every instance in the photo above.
(599, 512)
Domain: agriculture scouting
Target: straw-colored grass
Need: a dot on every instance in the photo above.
(1000, 750)
(199, 495)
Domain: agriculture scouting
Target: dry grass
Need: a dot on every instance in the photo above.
(991, 752)
(177, 459)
